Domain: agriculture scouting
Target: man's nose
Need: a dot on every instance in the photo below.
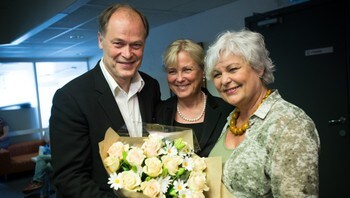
(127, 52)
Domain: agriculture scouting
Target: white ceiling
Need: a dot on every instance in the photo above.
(68, 28)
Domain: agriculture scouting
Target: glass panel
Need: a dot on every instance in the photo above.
(52, 76)
(17, 84)
(18, 100)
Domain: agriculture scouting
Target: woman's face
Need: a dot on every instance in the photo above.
(236, 81)
(185, 79)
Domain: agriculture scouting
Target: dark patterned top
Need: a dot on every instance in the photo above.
(2, 125)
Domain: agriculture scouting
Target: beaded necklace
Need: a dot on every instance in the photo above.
(193, 119)
(241, 130)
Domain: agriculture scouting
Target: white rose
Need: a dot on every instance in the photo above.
(135, 156)
(152, 145)
(153, 167)
(112, 163)
(130, 180)
(199, 163)
(117, 149)
(151, 188)
(196, 181)
(172, 163)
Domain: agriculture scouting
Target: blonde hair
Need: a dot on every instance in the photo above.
(194, 50)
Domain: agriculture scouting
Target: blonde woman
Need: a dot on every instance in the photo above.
(191, 106)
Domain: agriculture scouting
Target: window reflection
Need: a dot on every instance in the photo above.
(17, 84)
(52, 76)
(24, 85)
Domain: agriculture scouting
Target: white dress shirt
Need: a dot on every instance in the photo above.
(128, 103)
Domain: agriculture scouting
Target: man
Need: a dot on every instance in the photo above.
(43, 169)
(113, 94)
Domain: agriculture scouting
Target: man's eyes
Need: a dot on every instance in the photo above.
(118, 43)
(137, 45)
(133, 46)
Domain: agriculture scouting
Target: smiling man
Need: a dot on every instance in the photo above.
(113, 94)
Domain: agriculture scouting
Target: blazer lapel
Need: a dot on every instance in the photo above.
(106, 99)
(143, 105)
(210, 120)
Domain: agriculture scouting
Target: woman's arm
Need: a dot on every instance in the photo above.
(294, 167)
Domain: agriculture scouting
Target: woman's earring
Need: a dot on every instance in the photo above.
(204, 83)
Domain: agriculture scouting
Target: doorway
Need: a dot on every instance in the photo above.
(308, 44)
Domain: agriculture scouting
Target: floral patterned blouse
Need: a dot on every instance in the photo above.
(279, 155)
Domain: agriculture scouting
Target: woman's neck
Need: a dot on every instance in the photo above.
(191, 102)
(248, 110)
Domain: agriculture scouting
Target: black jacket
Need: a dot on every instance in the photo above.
(82, 111)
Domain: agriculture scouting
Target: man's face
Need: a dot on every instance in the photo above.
(123, 45)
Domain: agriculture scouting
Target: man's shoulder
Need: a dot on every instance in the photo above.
(146, 77)
(150, 82)
(81, 81)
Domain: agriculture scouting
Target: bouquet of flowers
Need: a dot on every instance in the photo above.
(160, 165)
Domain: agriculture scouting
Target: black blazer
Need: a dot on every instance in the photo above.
(216, 112)
(82, 111)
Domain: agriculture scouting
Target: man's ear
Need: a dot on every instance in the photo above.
(100, 39)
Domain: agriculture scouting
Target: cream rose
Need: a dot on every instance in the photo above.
(152, 145)
(197, 194)
(196, 181)
(130, 180)
(117, 149)
(199, 163)
(151, 188)
(153, 167)
(172, 163)
(135, 156)
(112, 163)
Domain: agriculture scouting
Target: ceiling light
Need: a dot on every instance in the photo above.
(76, 36)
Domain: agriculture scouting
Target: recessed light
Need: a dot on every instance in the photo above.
(76, 36)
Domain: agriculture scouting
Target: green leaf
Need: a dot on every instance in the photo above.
(164, 172)
(172, 192)
(178, 143)
(124, 154)
(180, 172)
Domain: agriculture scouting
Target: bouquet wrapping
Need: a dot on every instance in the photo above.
(160, 165)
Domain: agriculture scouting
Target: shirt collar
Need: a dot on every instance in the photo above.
(137, 83)
(265, 107)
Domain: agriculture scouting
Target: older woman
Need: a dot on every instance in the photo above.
(270, 147)
(192, 106)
